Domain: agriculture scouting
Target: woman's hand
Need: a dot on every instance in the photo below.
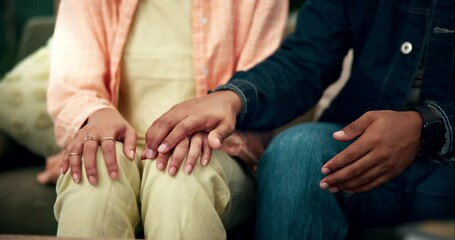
(104, 127)
(387, 142)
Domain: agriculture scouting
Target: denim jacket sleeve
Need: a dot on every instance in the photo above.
(291, 81)
(447, 113)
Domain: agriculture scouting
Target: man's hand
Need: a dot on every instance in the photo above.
(387, 142)
(214, 114)
(192, 148)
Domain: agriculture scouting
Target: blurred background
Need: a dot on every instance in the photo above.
(14, 15)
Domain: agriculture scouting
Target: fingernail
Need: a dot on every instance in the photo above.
(160, 167)
(132, 154)
(149, 153)
(162, 148)
(218, 140)
(113, 175)
(76, 178)
(205, 162)
(188, 169)
(333, 190)
(323, 185)
(92, 180)
(61, 171)
(339, 133)
(172, 171)
(325, 170)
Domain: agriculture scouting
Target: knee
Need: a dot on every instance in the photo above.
(294, 158)
(300, 149)
(203, 186)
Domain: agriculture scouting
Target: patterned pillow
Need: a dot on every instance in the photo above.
(23, 114)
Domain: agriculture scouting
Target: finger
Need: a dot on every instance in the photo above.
(362, 179)
(148, 153)
(73, 157)
(373, 184)
(181, 130)
(193, 153)
(90, 149)
(110, 157)
(354, 174)
(217, 135)
(160, 129)
(162, 160)
(206, 152)
(184, 128)
(352, 153)
(178, 155)
(129, 143)
(355, 128)
(75, 166)
(65, 163)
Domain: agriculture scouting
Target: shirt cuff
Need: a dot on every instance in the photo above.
(446, 148)
(248, 95)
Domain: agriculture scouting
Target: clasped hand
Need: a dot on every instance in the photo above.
(105, 127)
(384, 142)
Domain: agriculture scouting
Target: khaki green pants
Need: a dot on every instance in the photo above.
(197, 206)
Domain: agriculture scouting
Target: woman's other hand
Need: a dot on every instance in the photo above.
(104, 127)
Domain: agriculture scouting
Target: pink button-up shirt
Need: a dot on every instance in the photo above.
(90, 35)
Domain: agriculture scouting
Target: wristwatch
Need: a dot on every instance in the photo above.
(433, 130)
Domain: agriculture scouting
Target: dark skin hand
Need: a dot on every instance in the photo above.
(215, 115)
(190, 147)
(387, 143)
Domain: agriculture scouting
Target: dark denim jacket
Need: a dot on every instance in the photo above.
(293, 79)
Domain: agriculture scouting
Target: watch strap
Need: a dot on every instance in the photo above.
(433, 130)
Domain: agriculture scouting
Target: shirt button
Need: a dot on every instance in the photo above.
(204, 20)
(406, 48)
(205, 72)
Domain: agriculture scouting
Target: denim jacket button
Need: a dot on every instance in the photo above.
(406, 48)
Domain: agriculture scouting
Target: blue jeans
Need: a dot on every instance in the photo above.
(292, 206)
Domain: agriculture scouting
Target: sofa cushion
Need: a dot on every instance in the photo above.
(23, 113)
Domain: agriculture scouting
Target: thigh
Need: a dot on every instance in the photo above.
(241, 187)
(221, 191)
(85, 210)
(298, 153)
(431, 191)
(288, 186)
(425, 190)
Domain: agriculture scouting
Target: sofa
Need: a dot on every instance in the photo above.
(26, 207)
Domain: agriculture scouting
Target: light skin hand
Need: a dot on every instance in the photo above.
(214, 114)
(102, 123)
(387, 143)
(192, 149)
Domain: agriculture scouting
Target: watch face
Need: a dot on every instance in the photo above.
(433, 136)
